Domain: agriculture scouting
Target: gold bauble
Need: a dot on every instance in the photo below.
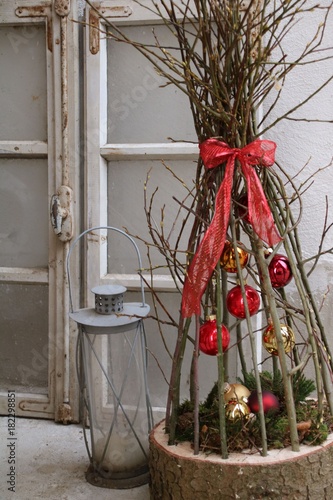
(228, 258)
(236, 392)
(270, 343)
(235, 410)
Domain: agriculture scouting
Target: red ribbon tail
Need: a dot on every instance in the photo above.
(260, 214)
(210, 248)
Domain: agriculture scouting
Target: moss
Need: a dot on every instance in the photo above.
(317, 435)
(244, 432)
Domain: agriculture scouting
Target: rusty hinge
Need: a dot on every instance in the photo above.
(43, 9)
(102, 11)
(62, 7)
(64, 414)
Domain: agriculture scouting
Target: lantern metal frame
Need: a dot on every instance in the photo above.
(90, 321)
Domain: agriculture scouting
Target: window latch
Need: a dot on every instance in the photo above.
(61, 213)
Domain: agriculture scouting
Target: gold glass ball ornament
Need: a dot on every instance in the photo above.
(228, 258)
(235, 392)
(269, 339)
(235, 410)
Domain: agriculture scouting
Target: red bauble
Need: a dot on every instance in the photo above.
(235, 302)
(269, 400)
(208, 337)
(280, 271)
(242, 207)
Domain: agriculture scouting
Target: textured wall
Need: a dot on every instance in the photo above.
(303, 143)
(307, 147)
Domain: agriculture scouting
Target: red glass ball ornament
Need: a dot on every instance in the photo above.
(235, 301)
(208, 337)
(269, 400)
(242, 208)
(280, 271)
(228, 258)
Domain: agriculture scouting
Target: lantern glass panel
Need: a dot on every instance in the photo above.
(115, 381)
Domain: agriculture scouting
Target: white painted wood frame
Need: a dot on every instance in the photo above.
(99, 152)
(61, 53)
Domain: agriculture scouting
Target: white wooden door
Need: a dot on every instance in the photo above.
(38, 159)
(131, 125)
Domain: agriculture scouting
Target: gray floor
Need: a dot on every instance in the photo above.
(50, 461)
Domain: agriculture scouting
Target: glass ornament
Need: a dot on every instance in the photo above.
(228, 258)
(235, 301)
(208, 337)
(236, 409)
(242, 208)
(270, 342)
(280, 271)
(269, 400)
(235, 392)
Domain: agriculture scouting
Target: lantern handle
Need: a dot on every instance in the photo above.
(108, 228)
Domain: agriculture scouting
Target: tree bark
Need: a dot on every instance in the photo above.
(177, 475)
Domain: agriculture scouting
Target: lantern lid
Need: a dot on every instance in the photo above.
(132, 313)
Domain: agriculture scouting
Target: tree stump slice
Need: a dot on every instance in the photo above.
(176, 474)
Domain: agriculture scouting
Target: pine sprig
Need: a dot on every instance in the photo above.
(302, 386)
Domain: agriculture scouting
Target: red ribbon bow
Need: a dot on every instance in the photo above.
(214, 153)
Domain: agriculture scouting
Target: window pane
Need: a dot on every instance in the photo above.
(126, 206)
(24, 337)
(138, 110)
(23, 83)
(24, 213)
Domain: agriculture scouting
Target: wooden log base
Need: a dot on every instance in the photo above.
(176, 474)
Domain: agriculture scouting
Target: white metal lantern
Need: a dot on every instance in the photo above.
(112, 353)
